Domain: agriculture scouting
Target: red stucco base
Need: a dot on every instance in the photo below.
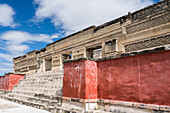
(8, 81)
(142, 78)
(80, 80)
(2, 78)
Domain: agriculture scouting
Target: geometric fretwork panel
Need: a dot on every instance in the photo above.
(149, 24)
(148, 43)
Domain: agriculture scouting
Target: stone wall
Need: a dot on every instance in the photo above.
(142, 78)
(25, 63)
(140, 81)
(144, 29)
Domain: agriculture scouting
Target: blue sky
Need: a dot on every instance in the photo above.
(26, 25)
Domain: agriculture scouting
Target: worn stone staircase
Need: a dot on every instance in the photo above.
(41, 90)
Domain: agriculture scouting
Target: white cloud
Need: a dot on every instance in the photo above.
(6, 56)
(5, 69)
(7, 64)
(16, 43)
(15, 40)
(54, 36)
(21, 36)
(1, 47)
(78, 14)
(6, 16)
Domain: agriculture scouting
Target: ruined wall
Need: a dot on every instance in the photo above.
(26, 63)
(143, 78)
(2, 82)
(80, 80)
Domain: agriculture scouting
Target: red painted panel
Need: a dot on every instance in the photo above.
(91, 80)
(74, 80)
(10, 80)
(80, 80)
(14, 80)
(155, 78)
(143, 78)
(6, 82)
(2, 82)
(118, 78)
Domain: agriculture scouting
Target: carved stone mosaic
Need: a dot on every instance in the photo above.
(154, 9)
(149, 43)
(148, 24)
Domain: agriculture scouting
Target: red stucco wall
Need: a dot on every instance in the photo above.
(91, 80)
(143, 78)
(80, 80)
(10, 80)
(6, 82)
(2, 82)
(14, 80)
(74, 80)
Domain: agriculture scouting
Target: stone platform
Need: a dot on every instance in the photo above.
(41, 90)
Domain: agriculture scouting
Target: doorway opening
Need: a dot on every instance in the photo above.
(94, 52)
(48, 64)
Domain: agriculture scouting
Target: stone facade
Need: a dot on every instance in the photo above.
(144, 29)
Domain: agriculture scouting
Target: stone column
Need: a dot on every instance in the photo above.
(61, 61)
(85, 54)
(103, 50)
(123, 31)
(43, 65)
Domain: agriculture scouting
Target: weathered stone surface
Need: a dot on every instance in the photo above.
(41, 90)
(142, 30)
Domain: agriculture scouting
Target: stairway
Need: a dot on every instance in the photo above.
(41, 90)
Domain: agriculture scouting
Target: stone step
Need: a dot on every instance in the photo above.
(36, 90)
(40, 82)
(54, 86)
(46, 100)
(40, 79)
(39, 90)
(47, 73)
(44, 76)
(33, 92)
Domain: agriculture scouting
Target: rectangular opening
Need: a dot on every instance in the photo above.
(110, 46)
(94, 52)
(67, 56)
(48, 64)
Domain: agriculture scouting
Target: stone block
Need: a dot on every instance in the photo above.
(164, 108)
(139, 105)
(151, 106)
